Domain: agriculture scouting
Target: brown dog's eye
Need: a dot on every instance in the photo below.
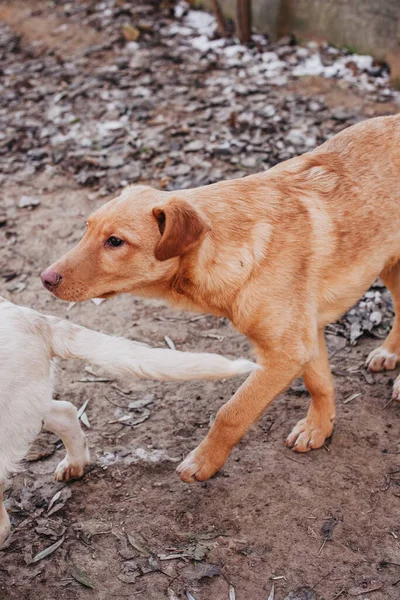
(114, 242)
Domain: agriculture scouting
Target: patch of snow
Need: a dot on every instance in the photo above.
(180, 9)
(204, 44)
(107, 126)
(233, 51)
(201, 21)
(342, 68)
(311, 66)
(177, 29)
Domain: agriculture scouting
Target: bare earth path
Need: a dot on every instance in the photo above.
(82, 111)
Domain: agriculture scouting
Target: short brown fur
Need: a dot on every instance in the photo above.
(280, 253)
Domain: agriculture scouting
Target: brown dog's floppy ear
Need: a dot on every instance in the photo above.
(181, 228)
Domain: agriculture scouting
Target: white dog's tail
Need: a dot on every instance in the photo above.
(122, 357)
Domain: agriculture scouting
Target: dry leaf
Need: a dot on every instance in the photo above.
(130, 33)
(137, 542)
(47, 551)
(85, 420)
(43, 447)
(81, 576)
(58, 500)
(197, 551)
(272, 592)
(130, 421)
(199, 571)
(352, 397)
(54, 499)
(82, 408)
(98, 301)
(82, 416)
(213, 336)
(169, 342)
(173, 556)
(142, 402)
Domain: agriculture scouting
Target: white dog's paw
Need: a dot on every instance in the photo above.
(68, 469)
(396, 389)
(5, 525)
(381, 359)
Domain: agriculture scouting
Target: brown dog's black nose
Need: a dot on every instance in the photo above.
(50, 279)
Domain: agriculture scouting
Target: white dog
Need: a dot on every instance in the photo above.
(28, 343)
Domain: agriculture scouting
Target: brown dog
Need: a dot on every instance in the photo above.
(281, 254)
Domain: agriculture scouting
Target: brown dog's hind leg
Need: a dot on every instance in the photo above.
(387, 356)
(312, 431)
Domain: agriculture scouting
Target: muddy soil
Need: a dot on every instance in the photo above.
(328, 521)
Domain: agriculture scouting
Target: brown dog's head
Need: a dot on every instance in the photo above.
(131, 245)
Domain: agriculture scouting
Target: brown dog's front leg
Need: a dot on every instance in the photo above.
(236, 416)
(312, 431)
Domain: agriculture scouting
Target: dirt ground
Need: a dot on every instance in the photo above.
(272, 524)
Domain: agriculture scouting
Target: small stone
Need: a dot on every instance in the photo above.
(269, 111)
(115, 161)
(314, 106)
(249, 161)
(296, 137)
(224, 148)
(37, 153)
(181, 170)
(29, 202)
(376, 317)
(194, 146)
(132, 47)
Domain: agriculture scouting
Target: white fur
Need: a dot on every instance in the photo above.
(28, 343)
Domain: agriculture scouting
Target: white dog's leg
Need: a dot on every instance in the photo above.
(63, 421)
(5, 524)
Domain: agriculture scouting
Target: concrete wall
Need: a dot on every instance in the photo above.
(363, 26)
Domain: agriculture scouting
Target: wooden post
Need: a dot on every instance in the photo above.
(223, 32)
(243, 20)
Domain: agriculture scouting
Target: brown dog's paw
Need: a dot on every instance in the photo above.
(202, 463)
(381, 359)
(306, 435)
